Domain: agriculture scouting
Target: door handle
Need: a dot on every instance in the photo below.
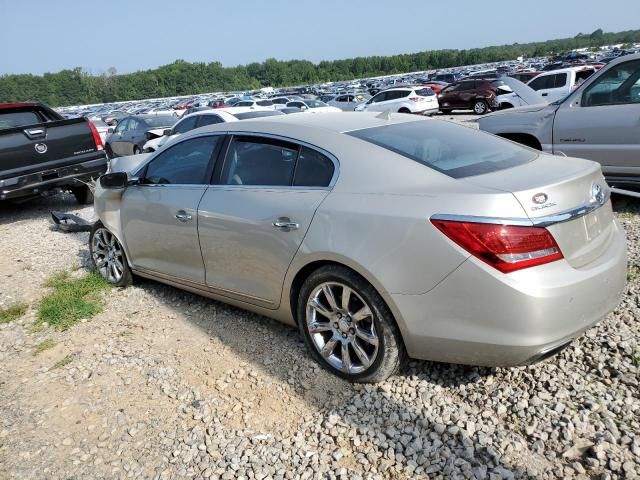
(544, 94)
(183, 216)
(285, 224)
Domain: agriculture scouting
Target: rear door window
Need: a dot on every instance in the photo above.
(259, 162)
(313, 169)
(425, 92)
(209, 120)
(454, 150)
(185, 125)
(560, 80)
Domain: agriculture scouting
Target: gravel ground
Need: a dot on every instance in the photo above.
(164, 384)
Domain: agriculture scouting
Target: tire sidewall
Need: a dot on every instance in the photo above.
(127, 276)
(484, 104)
(390, 347)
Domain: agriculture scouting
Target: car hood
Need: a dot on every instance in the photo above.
(527, 94)
(128, 164)
(516, 110)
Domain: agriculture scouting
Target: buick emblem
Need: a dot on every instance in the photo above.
(41, 148)
(597, 194)
(540, 198)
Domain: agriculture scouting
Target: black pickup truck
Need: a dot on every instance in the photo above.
(42, 152)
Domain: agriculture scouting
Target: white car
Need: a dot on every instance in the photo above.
(404, 100)
(511, 93)
(203, 118)
(557, 84)
(312, 106)
(261, 104)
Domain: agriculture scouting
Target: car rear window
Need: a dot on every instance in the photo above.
(425, 92)
(18, 119)
(454, 150)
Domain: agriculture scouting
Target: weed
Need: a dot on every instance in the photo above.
(62, 363)
(44, 345)
(72, 299)
(12, 313)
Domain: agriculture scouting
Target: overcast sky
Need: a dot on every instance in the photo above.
(40, 36)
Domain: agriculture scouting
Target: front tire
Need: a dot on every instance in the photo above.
(136, 150)
(347, 326)
(108, 257)
(404, 110)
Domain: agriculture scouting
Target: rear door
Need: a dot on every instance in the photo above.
(603, 123)
(253, 221)
(115, 140)
(159, 216)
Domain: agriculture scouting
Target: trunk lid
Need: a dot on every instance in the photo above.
(570, 195)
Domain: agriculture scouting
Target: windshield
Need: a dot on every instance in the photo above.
(161, 121)
(454, 150)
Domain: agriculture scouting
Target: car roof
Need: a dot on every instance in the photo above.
(567, 69)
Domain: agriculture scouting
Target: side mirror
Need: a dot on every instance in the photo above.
(114, 181)
(303, 107)
(168, 132)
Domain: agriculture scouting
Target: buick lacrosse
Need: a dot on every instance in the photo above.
(380, 236)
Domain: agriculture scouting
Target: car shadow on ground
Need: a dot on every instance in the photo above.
(414, 401)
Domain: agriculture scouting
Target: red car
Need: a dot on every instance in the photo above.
(437, 87)
(476, 95)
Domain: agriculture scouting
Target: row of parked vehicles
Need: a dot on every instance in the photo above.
(381, 236)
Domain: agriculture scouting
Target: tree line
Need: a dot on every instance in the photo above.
(77, 86)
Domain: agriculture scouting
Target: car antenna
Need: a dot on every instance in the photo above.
(386, 115)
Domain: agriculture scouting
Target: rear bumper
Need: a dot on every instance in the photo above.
(478, 316)
(40, 182)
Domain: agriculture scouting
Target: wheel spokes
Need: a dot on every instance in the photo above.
(329, 347)
(318, 307)
(361, 314)
(346, 297)
(317, 327)
(328, 294)
(368, 337)
(362, 355)
(346, 357)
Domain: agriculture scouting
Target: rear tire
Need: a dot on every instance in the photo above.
(136, 150)
(108, 257)
(445, 111)
(404, 110)
(109, 152)
(84, 195)
(480, 107)
(366, 329)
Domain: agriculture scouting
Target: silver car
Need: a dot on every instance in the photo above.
(380, 236)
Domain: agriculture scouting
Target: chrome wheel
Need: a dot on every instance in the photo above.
(480, 108)
(341, 327)
(107, 255)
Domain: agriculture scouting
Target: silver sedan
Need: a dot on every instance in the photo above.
(380, 236)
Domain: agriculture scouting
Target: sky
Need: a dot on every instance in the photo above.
(40, 36)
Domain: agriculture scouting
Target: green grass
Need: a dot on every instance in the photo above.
(633, 271)
(635, 358)
(13, 312)
(44, 345)
(72, 299)
(62, 363)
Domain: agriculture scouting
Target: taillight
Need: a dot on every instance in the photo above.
(96, 136)
(504, 247)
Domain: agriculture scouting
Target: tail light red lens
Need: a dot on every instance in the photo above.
(505, 247)
(416, 99)
(96, 136)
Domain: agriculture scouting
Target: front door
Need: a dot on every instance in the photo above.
(159, 216)
(115, 140)
(603, 124)
(252, 223)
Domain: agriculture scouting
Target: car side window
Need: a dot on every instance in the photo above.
(185, 163)
(132, 125)
(540, 83)
(185, 125)
(380, 97)
(560, 80)
(313, 169)
(297, 104)
(122, 126)
(259, 161)
(618, 86)
(208, 120)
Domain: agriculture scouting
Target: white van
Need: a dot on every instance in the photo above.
(557, 84)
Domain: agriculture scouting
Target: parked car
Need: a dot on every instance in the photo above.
(349, 101)
(557, 84)
(379, 237)
(102, 128)
(203, 118)
(42, 152)
(598, 121)
(133, 132)
(476, 95)
(524, 77)
(512, 93)
(312, 106)
(256, 104)
(437, 87)
(420, 100)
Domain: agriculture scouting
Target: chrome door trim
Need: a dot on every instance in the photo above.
(561, 217)
(203, 287)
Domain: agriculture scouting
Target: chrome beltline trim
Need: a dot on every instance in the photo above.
(561, 217)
